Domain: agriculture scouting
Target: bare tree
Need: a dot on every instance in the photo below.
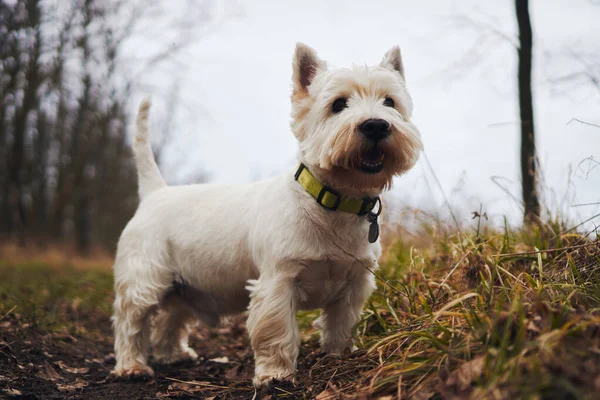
(529, 160)
(566, 69)
(66, 171)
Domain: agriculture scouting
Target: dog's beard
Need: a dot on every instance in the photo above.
(348, 159)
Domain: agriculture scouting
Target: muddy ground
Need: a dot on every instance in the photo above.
(39, 365)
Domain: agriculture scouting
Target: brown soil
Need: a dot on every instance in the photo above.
(39, 365)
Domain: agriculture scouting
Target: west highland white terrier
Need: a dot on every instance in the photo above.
(306, 239)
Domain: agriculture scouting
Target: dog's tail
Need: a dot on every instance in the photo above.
(149, 177)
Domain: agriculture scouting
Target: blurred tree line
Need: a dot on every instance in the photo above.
(66, 171)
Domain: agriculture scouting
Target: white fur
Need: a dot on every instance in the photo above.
(204, 251)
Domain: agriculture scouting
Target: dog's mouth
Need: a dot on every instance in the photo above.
(372, 160)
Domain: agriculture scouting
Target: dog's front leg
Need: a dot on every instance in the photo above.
(272, 328)
(339, 317)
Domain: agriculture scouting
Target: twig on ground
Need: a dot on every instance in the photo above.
(8, 313)
(196, 383)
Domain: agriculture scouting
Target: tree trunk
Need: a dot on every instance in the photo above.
(6, 219)
(17, 159)
(82, 217)
(81, 141)
(40, 196)
(528, 153)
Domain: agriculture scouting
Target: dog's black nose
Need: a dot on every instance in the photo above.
(375, 129)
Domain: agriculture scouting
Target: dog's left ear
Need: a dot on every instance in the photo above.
(393, 61)
(306, 65)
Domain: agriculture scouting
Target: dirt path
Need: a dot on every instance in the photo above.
(35, 365)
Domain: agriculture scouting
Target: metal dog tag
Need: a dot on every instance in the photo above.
(373, 228)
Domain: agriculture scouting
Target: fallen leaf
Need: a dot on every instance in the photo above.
(423, 395)
(427, 390)
(462, 377)
(237, 372)
(70, 387)
(65, 367)
(12, 392)
(64, 337)
(49, 373)
(220, 360)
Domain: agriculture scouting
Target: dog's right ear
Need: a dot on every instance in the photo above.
(392, 60)
(306, 65)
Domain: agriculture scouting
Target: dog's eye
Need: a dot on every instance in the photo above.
(388, 102)
(339, 105)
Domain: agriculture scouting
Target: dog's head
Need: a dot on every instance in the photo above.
(353, 125)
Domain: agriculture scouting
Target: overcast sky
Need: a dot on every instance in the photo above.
(460, 60)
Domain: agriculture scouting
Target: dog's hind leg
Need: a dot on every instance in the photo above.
(139, 288)
(171, 330)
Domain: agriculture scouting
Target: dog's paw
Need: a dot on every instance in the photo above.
(176, 357)
(136, 372)
(265, 379)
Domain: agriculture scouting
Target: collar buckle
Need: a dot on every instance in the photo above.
(324, 198)
(368, 204)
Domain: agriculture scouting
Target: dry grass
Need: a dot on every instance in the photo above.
(497, 315)
(55, 256)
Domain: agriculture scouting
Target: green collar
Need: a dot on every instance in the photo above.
(331, 199)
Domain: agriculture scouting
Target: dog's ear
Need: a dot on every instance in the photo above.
(393, 60)
(306, 65)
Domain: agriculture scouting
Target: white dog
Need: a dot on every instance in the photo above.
(298, 241)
